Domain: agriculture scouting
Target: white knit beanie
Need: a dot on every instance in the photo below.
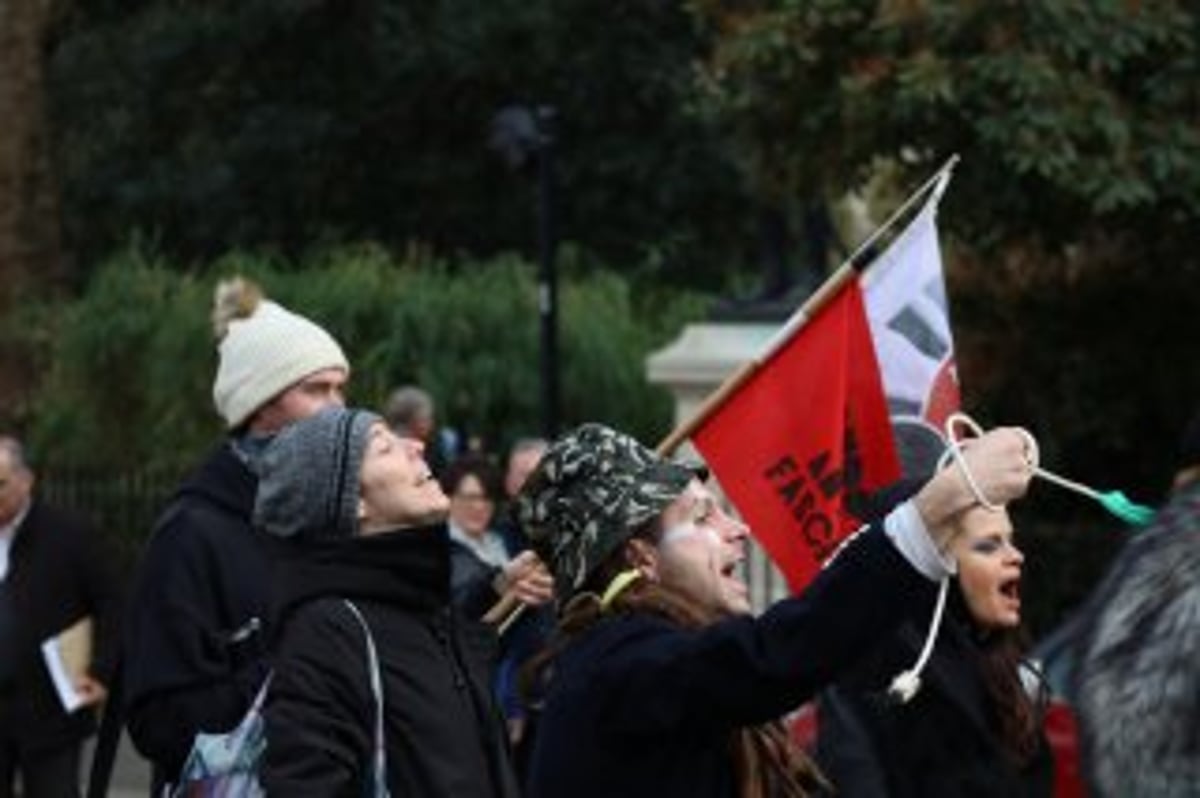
(264, 349)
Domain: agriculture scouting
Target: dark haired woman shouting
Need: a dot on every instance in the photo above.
(975, 726)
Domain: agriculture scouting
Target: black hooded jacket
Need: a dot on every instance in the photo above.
(443, 733)
(194, 634)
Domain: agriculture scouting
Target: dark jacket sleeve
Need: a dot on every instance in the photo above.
(317, 706)
(747, 671)
(186, 668)
(846, 747)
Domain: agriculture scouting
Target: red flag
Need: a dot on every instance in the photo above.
(806, 431)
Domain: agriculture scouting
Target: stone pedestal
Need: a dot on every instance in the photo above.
(693, 366)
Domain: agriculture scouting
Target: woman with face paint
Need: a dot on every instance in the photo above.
(974, 727)
(660, 682)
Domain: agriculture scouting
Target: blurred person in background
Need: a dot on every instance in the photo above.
(479, 552)
(523, 457)
(1137, 677)
(529, 634)
(483, 569)
(411, 413)
(54, 572)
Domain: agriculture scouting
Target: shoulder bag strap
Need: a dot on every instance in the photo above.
(379, 760)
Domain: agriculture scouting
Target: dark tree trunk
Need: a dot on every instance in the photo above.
(30, 244)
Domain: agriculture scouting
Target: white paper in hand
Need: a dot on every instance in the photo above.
(68, 655)
(63, 683)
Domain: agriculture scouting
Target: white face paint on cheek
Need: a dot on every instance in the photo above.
(703, 556)
(687, 531)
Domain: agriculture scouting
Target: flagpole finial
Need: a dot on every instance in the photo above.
(934, 186)
(943, 176)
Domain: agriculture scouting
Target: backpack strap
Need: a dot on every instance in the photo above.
(379, 759)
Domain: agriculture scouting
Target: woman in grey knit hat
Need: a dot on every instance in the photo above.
(370, 552)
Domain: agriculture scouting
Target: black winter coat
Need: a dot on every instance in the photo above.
(942, 744)
(58, 573)
(443, 733)
(194, 641)
(640, 707)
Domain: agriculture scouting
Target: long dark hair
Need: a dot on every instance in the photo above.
(768, 763)
(1018, 711)
(472, 465)
(999, 658)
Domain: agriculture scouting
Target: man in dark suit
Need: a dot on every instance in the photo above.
(53, 573)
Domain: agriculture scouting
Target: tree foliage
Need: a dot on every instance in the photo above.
(29, 208)
(1069, 116)
(262, 123)
(133, 358)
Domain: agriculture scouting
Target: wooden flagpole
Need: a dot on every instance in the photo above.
(797, 320)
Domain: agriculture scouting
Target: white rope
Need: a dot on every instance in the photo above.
(907, 683)
(1069, 484)
(955, 445)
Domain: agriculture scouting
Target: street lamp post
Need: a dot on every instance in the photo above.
(519, 134)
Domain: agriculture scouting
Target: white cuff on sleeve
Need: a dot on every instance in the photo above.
(905, 528)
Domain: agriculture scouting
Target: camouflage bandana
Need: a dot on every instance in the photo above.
(591, 491)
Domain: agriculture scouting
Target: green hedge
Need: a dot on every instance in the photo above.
(130, 362)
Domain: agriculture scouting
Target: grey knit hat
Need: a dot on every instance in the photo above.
(308, 476)
(593, 489)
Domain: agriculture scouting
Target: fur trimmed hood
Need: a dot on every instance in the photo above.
(1137, 681)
